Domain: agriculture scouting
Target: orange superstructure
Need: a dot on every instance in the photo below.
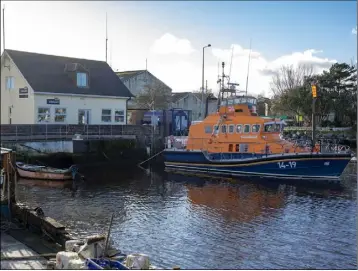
(236, 127)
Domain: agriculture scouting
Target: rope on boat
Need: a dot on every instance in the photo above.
(108, 234)
(106, 156)
(39, 151)
(150, 158)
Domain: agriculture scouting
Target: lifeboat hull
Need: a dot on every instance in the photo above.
(309, 166)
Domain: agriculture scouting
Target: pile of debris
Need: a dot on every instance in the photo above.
(96, 253)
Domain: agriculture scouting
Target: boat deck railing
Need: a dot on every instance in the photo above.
(259, 148)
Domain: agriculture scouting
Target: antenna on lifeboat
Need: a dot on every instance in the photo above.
(232, 54)
(248, 69)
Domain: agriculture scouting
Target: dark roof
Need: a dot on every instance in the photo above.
(46, 73)
(125, 75)
(176, 96)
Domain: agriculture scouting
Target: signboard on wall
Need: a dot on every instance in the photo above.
(23, 92)
(53, 101)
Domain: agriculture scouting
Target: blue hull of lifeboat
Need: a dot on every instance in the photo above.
(288, 166)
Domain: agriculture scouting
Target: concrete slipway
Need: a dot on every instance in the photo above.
(10, 247)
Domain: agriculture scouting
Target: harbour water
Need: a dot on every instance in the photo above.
(202, 223)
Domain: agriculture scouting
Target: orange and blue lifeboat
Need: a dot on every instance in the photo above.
(235, 141)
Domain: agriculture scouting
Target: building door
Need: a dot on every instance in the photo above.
(84, 116)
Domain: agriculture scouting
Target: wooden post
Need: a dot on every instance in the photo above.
(12, 177)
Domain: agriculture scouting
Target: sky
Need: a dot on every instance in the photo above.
(171, 36)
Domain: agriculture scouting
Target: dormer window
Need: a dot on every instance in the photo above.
(82, 80)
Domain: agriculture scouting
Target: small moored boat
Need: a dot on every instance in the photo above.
(43, 172)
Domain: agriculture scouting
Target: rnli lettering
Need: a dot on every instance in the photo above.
(291, 164)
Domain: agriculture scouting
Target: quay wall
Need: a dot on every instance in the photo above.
(58, 145)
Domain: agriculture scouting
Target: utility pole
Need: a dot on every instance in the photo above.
(3, 27)
(206, 100)
(202, 84)
(314, 98)
(106, 37)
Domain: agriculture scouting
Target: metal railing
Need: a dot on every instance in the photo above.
(322, 129)
(260, 147)
(23, 132)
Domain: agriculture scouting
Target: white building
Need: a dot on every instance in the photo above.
(192, 101)
(38, 88)
(137, 82)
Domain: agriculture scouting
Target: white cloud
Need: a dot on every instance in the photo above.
(169, 44)
(185, 75)
(354, 31)
(235, 50)
(306, 57)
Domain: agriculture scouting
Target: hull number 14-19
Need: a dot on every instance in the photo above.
(291, 164)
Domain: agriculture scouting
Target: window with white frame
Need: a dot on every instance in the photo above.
(231, 128)
(223, 129)
(239, 129)
(43, 114)
(60, 114)
(106, 115)
(247, 128)
(118, 115)
(255, 128)
(10, 82)
(82, 79)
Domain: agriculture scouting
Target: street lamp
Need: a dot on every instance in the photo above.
(202, 84)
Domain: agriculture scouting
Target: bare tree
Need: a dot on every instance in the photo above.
(290, 92)
(288, 78)
(155, 95)
(206, 91)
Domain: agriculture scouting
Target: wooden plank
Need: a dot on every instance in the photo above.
(54, 223)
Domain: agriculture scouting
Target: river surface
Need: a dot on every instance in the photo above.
(201, 223)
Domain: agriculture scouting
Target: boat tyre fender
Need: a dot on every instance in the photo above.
(39, 211)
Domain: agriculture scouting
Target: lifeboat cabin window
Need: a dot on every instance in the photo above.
(231, 129)
(247, 128)
(216, 129)
(255, 128)
(272, 127)
(208, 129)
(239, 129)
(223, 129)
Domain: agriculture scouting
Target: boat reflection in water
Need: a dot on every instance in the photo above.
(45, 183)
(234, 202)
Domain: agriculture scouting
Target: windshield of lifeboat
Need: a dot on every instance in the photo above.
(274, 127)
(250, 101)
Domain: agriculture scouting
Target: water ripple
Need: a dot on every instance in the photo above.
(210, 224)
